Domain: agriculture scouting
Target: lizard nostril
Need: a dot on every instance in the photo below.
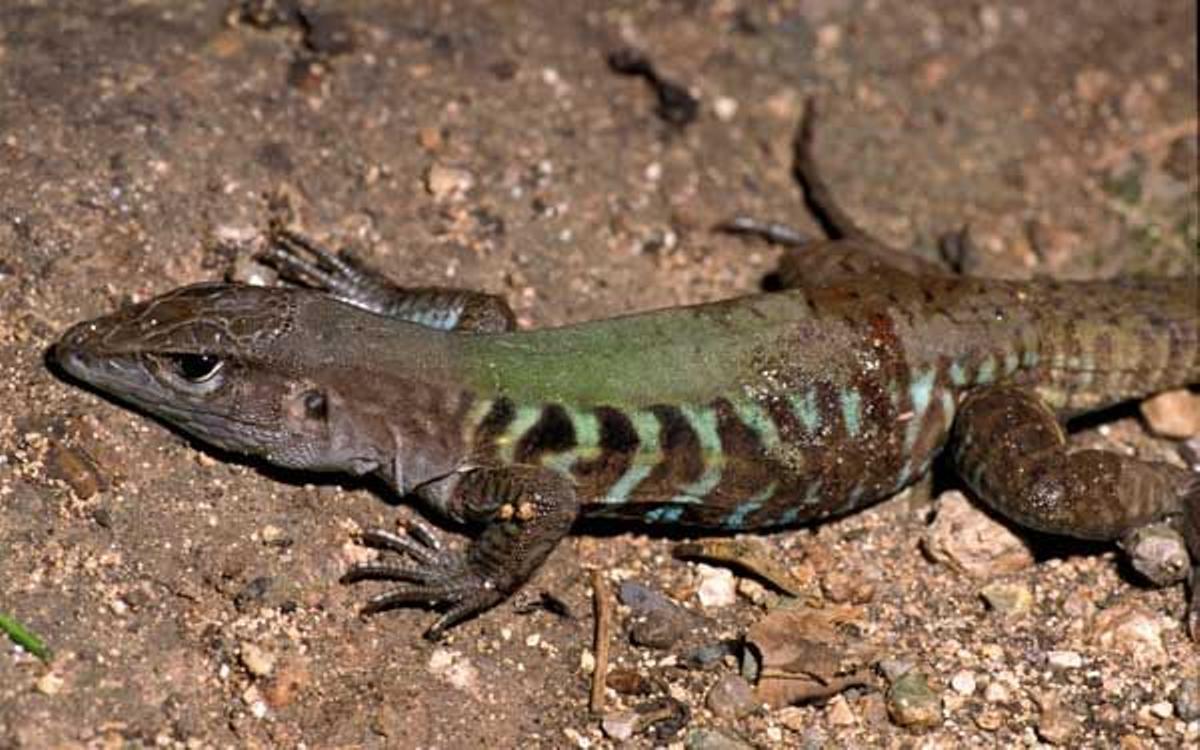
(70, 350)
(68, 357)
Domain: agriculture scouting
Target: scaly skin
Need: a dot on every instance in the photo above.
(789, 407)
(761, 411)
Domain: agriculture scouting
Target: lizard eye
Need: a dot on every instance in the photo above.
(195, 368)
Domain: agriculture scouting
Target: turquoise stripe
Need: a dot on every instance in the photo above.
(633, 476)
(852, 412)
(805, 407)
(663, 514)
(737, 519)
(958, 375)
(754, 416)
(987, 371)
(920, 391)
(1011, 362)
(643, 462)
(704, 422)
(526, 417)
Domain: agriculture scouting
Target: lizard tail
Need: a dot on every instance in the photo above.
(837, 223)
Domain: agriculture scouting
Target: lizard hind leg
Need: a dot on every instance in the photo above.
(302, 261)
(525, 511)
(1009, 448)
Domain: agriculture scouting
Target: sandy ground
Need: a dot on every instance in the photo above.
(193, 601)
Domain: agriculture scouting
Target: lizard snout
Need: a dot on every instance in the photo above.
(71, 351)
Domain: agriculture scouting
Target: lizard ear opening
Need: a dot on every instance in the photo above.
(316, 406)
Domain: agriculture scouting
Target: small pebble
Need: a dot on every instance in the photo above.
(829, 36)
(713, 739)
(628, 682)
(839, 712)
(658, 622)
(725, 108)
(963, 682)
(271, 534)
(969, 540)
(754, 591)
(620, 725)
(794, 718)
(912, 703)
(1134, 632)
(448, 183)
(440, 659)
(247, 270)
(658, 630)
(1162, 709)
(989, 720)
(291, 678)
(894, 669)
(1064, 660)
(1056, 724)
(1008, 599)
(1173, 414)
(387, 721)
(49, 684)
(731, 698)
(258, 662)
(784, 105)
(717, 587)
(430, 138)
(75, 469)
(1189, 451)
(577, 739)
(841, 587)
(251, 695)
(1187, 702)
(996, 692)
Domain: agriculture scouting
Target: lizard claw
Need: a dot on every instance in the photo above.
(431, 576)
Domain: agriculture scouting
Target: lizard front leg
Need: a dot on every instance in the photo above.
(525, 511)
(1009, 448)
(304, 262)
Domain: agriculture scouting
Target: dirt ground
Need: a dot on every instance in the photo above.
(193, 601)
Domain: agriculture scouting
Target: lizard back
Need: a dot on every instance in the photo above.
(812, 402)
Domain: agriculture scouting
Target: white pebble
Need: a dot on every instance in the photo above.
(963, 682)
(717, 587)
(1064, 659)
(725, 108)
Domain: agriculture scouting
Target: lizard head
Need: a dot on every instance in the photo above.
(222, 363)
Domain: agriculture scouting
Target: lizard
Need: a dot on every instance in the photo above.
(763, 411)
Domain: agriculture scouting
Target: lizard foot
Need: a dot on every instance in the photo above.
(432, 576)
(302, 261)
(305, 263)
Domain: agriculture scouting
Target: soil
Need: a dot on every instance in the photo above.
(192, 600)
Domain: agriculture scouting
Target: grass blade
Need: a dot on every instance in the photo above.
(23, 638)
